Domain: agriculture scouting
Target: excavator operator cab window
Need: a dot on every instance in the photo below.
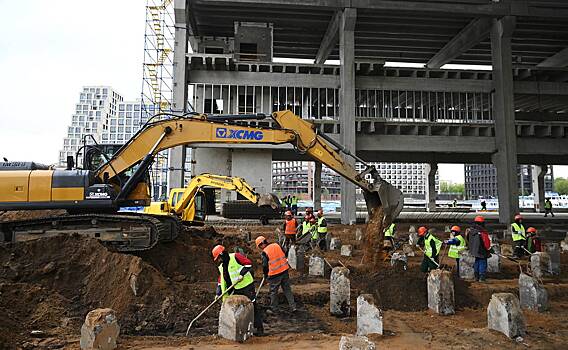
(176, 198)
(200, 210)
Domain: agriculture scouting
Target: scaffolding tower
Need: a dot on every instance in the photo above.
(157, 82)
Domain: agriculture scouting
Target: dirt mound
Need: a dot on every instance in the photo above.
(50, 285)
(29, 214)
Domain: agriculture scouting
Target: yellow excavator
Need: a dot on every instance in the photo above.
(92, 195)
(188, 203)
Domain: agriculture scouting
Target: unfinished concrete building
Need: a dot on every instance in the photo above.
(228, 59)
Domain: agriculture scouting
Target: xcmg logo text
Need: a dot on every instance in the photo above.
(225, 133)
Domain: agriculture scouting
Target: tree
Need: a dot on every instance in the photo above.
(561, 185)
(447, 187)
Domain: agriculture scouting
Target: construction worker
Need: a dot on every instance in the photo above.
(289, 227)
(235, 269)
(483, 205)
(457, 245)
(548, 207)
(322, 230)
(314, 233)
(519, 236)
(388, 242)
(534, 243)
(480, 247)
(294, 204)
(432, 247)
(275, 268)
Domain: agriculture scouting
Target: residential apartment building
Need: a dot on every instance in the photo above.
(481, 180)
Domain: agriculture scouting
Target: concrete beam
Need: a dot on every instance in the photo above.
(329, 39)
(468, 37)
(368, 82)
(505, 159)
(347, 106)
(559, 60)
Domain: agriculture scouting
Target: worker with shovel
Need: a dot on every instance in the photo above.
(275, 268)
(432, 247)
(235, 271)
(479, 247)
(457, 245)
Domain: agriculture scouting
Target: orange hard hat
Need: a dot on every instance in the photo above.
(422, 230)
(456, 229)
(259, 240)
(288, 213)
(479, 219)
(217, 250)
(531, 230)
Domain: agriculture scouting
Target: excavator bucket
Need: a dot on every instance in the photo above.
(386, 195)
(269, 200)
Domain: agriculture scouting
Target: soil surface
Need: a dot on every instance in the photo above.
(50, 284)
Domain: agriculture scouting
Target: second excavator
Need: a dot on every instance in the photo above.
(94, 194)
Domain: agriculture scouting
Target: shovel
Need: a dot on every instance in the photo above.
(207, 308)
(258, 291)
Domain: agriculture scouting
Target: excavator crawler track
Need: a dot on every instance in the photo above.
(119, 232)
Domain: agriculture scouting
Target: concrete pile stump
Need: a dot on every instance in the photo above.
(466, 265)
(408, 250)
(236, 318)
(494, 262)
(441, 292)
(347, 250)
(369, 316)
(540, 264)
(564, 244)
(296, 258)
(533, 295)
(504, 315)
(358, 234)
(316, 266)
(100, 330)
(340, 292)
(335, 243)
(352, 342)
(553, 250)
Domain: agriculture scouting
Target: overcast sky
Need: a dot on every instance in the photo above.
(50, 49)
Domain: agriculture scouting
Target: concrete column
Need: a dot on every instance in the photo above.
(255, 166)
(505, 159)
(176, 157)
(538, 173)
(214, 161)
(431, 170)
(317, 186)
(347, 107)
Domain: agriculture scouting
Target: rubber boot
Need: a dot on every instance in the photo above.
(482, 278)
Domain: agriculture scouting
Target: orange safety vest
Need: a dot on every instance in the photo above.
(277, 262)
(290, 227)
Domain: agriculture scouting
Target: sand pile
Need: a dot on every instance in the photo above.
(50, 285)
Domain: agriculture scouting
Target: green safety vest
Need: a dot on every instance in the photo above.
(306, 227)
(455, 250)
(518, 232)
(547, 205)
(428, 248)
(389, 232)
(314, 232)
(234, 272)
(294, 201)
(321, 229)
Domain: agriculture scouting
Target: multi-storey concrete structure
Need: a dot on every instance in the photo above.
(106, 118)
(513, 113)
(481, 180)
(96, 106)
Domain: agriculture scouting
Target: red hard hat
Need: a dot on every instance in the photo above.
(531, 230)
(518, 217)
(456, 229)
(217, 250)
(422, 230)
(288, 212)
(259, 240)
(479, 219)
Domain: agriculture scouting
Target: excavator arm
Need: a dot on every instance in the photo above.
(291, 129)
(236, 184)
